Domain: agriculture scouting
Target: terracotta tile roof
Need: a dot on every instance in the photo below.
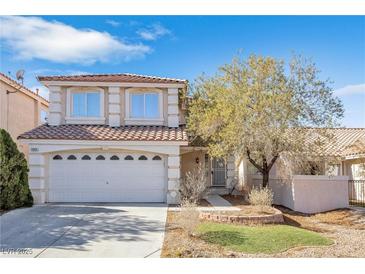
(120, 77)
(344, 142)
(106, 133)
(19, 86)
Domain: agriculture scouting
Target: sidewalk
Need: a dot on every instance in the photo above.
(219, 203)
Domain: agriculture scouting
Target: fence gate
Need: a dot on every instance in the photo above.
(357, 192)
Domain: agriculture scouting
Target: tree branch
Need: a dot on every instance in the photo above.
(253, 162)
(273, 161)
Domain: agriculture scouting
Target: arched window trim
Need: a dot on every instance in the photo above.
(86, 157)
(156, 158)
(129, 158)
(114, 158)
(71, 157)
(100, 157)
(57, 157)
(142, 158)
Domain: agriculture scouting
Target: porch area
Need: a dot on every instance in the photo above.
(220, 173)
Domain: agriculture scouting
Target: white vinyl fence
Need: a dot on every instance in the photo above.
(308, 193)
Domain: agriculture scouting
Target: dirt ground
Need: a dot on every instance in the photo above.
(346, 227)
(236, 200)
(177, 244)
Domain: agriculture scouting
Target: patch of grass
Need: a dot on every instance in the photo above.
(268, 239)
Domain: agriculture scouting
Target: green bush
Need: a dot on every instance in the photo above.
(14, 188)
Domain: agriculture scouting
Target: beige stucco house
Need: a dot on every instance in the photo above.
(20, 109)
(115, 138)
(122, 138)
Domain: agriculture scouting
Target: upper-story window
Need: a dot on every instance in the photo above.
(144, 105)
(86, 104)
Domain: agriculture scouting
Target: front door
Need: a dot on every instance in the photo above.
(218, 172)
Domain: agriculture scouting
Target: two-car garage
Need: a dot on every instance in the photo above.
(99, 163)
(106, 177)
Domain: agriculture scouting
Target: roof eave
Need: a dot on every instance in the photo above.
(111, 84)
(102, 142)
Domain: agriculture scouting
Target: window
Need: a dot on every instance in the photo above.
(144, 105)
(71, 157)
(86, 157)
(128, 158)
(142, 157)
(156, 158)
(100, 157)
(57, 157)
(114, 157)
(86, 104)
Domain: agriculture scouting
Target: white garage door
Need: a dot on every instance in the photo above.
(107, 177)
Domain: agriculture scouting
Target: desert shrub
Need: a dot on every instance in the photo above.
(194, 185)
(188, 217)
(261, 197)
(14, 188)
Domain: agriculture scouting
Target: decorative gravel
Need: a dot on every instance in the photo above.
(345, 227)
(347, 231)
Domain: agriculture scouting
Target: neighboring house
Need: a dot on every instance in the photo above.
(20, 109)
(334, 185)
(347, 147)
(114, 138)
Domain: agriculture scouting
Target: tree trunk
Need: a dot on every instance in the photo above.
(264, 168)
(265, 178)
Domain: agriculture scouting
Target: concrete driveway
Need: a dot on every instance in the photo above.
(84, 230)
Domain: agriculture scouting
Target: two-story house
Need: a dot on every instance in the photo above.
(21, 109)
(115, 138)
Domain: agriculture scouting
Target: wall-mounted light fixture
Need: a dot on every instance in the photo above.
(8, 91)
(197, 160)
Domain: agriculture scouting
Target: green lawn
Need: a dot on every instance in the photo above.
(267, 239)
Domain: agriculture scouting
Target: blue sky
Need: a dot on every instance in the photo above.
(186, 46)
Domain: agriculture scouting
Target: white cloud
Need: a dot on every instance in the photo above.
(43, 91)
(113, 23)
(153, 32)
(350, 89)
(35, 38)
